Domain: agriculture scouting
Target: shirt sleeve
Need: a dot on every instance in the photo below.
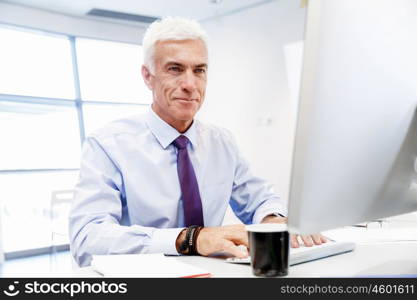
(253, 198)
(96, 214)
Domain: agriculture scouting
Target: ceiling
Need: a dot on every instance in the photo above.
(196, 9)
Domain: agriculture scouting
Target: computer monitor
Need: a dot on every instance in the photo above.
(356, 136)
(1, 243)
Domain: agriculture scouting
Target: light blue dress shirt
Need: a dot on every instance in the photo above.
(128, 197)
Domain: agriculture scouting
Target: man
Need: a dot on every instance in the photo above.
(144, 179)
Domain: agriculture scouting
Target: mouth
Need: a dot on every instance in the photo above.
(185, 100)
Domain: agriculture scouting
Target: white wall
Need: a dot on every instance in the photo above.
(248, 88)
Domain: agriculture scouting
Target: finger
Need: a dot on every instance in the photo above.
(238, 236)
(316, 238)
(240, 252)
(294, 241)
(240, 240)
(323, 239)
(307, 240)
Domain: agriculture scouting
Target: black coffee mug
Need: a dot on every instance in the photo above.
(269, 246)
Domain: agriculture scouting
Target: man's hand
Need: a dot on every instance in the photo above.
(308, 240)
(227, 239)
(221, 239)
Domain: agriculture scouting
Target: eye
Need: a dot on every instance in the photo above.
(174, 69)
(200, 71)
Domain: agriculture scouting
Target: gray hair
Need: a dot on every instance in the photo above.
(167, 29)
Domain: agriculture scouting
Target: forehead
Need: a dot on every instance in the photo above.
(187, 52)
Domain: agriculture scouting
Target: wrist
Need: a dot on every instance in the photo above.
(274, 218)
(180, 240)
(186, 242)
(195, 240)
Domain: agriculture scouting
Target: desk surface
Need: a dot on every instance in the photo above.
(390, 257)
(371, 260)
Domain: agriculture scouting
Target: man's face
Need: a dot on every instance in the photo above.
(179, 79)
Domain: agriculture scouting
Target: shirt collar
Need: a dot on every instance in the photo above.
(165, 133)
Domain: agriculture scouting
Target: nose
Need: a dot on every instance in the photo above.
(188, 82)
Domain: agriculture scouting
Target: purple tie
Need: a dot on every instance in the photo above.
(193, 211)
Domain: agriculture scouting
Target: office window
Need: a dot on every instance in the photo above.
(26, 203)
(40, 126)
(38, 136)
(111, 71)
(97, 115)
(35, 64)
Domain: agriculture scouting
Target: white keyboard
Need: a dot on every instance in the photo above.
(304, 254)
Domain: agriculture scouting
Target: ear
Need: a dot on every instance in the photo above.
(147, 77)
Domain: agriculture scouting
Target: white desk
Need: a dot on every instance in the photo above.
(372, 260)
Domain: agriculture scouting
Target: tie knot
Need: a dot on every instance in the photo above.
(181, 142)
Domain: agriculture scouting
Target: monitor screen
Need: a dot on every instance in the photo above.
(356, 137)
(1, 242)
